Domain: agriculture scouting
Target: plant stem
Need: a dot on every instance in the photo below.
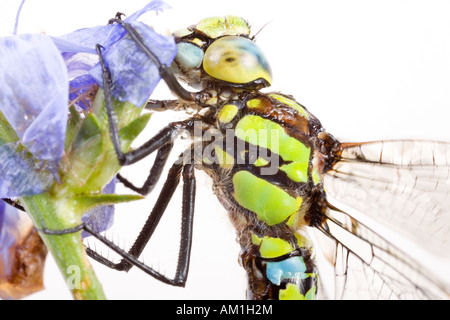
(68, 250)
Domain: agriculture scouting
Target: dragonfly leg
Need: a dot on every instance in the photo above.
(187, 171)
(14, 203)
(165, 71)
(130, 258)
(162, 105)
(166, 135)
(163, 142)
(155, 172)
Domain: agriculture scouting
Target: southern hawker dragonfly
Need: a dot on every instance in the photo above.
(343, 64)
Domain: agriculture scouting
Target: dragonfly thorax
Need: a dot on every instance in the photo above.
(262, 156)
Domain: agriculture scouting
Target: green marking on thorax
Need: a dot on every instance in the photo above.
(303, 241)
(226, 160)
(315, 175)
(253, 103)
(260, 162)
(291, 103)
(268, 134)
(227, 113)
(297, 171)
(270, 203)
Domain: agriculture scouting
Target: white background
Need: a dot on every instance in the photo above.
(368, 70)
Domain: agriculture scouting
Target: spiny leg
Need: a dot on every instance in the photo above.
(164, 71)
(168, 76)
(155, 172)
(161, 105)
(14, 204)
(162, 155)
(167, 191)
(168, 134)
(158, 142)
(162, 141)
(187, 223)
(147, 231)
(130, 258)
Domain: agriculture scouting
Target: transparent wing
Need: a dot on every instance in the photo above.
(403, 185)
(367, 266)
(401, 189)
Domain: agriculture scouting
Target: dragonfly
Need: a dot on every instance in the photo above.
(272, 165)
(347, 158)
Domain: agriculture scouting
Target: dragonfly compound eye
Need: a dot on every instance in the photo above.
(237, 60)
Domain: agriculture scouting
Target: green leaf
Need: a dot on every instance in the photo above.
(91, 161)
(83, 155)
(88, 164)
(7, 133)
(73, 125)
(83, 203)
(131, 131)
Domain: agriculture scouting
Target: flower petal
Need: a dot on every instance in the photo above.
(7, 238)
(156, 5)
(34, 100)
(80, 81)
(34, 96)
(101, 218)
(83, 40)
(22, 175)
(80, 88)
(86, 39)
(133, 73)
(16, 24)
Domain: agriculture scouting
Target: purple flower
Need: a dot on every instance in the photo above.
(36, 72)
(101, 218)
(134, 75)
(40, 76)
(34, 100)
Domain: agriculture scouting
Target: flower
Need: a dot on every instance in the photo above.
(134, 75)
(41, 76)
(33, 100)
(37, 70)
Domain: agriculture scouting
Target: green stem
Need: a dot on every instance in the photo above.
(68, 250)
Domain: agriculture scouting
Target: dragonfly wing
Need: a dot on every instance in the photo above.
(369, 267)
(403, 185)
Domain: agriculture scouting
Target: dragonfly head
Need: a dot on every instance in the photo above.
(220, 50)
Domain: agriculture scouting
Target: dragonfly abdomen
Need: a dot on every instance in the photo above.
(277, 268)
